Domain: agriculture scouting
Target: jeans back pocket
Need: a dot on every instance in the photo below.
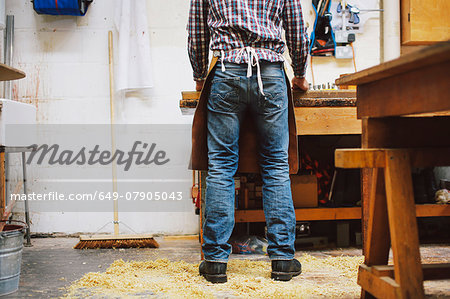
(275, 98)
(224, 96)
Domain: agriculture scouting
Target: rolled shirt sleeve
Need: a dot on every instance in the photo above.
(296, 36)
(198, 38)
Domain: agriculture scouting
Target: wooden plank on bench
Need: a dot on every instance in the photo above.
(310, 98)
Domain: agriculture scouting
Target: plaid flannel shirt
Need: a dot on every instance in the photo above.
(230, 25)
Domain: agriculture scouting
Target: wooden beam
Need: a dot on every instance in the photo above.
(417, 91)
(314, 214)
(436, 54)
(327, 121)
(430, 271)
(430, 210)
(375, 158)
(395, 132)
(380, 287)
(303, 214)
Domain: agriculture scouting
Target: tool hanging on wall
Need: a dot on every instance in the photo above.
(342, 36)
(346, 23)
(61, 7)
(353, 10)
(322, 37)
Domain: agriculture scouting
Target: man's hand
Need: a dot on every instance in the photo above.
(199, 85)
(300, 83)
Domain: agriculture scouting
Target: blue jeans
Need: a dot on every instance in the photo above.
(231, 94)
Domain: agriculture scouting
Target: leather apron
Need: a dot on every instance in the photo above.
(248, 143)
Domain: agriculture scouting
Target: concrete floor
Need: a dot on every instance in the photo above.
(51, 264)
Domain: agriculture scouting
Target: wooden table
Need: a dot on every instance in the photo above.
(404, 105)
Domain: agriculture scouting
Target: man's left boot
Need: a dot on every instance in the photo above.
(214, 272)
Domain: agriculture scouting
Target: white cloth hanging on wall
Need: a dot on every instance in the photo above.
(133, 63)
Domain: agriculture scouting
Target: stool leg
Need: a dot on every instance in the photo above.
(403, 224)
(377, 238)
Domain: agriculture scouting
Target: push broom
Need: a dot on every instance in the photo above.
(116, 240)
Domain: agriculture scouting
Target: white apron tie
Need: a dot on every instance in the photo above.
(252, 60)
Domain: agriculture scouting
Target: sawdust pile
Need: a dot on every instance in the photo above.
(321, 277)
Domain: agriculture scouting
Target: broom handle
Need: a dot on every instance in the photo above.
(113, 141)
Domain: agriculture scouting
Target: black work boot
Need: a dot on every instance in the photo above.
(214, 272)
(284, 270)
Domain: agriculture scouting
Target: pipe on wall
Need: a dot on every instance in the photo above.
(390, 29)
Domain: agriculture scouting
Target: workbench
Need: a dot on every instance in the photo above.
(327, 112)
(404, 106)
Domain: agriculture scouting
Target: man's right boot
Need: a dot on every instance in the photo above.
(284, 270)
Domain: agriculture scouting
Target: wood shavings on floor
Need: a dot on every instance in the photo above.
(321, 277)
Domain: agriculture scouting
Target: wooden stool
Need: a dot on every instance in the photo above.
(392, 221)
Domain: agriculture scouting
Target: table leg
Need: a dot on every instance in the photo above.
(377, 233)
(27, 209)
(403, 224)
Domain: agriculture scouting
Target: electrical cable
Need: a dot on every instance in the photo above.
(312, 71)
(354, 59)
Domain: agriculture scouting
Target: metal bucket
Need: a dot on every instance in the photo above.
(11, 244)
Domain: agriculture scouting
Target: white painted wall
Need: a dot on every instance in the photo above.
(65, 59)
